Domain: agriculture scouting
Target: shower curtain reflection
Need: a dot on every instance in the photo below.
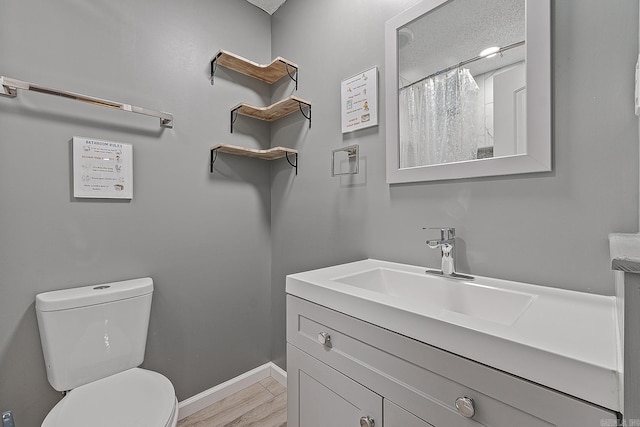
(438, 118)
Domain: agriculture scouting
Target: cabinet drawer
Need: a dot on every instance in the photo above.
(427, 380)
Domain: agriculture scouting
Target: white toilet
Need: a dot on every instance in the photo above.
(93, 339)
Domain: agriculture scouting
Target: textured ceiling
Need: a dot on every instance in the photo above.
(268, 6)
(458, 31)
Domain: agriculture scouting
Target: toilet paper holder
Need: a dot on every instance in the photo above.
(353, 154)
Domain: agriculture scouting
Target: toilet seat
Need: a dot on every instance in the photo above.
(133, 398)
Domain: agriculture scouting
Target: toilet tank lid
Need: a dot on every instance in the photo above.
(91, 295)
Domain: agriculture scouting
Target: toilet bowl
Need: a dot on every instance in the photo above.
(93, 340)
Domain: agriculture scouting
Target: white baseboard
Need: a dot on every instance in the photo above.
(278, 374)
(209, 397)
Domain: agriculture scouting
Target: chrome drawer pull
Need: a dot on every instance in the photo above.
(324, 338)
(367, 422)
(465, 407)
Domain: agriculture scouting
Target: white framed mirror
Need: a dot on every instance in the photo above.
(468, 89)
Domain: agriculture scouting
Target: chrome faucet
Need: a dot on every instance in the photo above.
(447, 249)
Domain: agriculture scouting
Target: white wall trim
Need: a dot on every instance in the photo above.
(278, 374)
(208, 397)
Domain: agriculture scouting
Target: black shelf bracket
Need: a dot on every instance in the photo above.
(234, 117)
(294, 76)
(213, 159)
(214, 66)
(294, 165)
(308, 117)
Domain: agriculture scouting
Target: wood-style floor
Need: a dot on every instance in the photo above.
(263, 404)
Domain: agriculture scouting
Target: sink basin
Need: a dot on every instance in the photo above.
(462, 297)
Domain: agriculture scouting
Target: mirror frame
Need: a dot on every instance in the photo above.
(538, 71)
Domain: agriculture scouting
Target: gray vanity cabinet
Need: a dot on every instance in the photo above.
(324, 396)
(395, 416)
(327, 398)
(343, 368)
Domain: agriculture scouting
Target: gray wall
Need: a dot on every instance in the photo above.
(220, 245)
(204, 238)
(548, 229)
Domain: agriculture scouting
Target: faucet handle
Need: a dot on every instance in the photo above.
(446, 233)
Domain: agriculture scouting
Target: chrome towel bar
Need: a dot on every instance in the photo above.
(9, 88)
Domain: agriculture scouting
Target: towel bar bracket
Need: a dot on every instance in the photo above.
(9, 92)
(9, 87)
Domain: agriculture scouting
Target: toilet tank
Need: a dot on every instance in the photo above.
(91, 332)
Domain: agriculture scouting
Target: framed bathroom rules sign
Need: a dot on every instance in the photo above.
(360, 101)
(102, 169)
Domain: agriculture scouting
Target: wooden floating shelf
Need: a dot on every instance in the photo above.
(269, 73)
(270, 154)
(273, 112)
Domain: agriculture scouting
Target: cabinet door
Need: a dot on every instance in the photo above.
(320, 396)
(395, 416)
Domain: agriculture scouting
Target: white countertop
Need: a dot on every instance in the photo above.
(565, 340)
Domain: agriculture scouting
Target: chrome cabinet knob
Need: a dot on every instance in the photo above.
(465, 407)
(367, 422)
(324, 338)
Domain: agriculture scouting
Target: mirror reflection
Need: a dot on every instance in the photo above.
(462, 83)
